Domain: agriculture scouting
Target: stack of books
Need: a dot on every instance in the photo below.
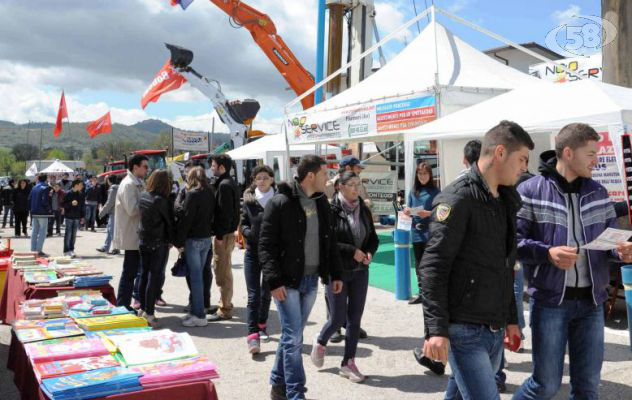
(84, 310)
(92, 280)
(65, 349)
(154, 346)
(54, 369)
(112, 322)
(31, 331)
(86, 385)
(177, 371)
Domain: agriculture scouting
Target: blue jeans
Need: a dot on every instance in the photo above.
(110, 234)
(70, 235)
(128, 283)
(475, 355)
(38, 235)
(91, 215)
(258, 293)
(196, 252)
(578, 323)
(293, 313)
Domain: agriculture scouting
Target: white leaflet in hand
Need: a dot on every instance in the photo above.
(608, 239)
(404, 222)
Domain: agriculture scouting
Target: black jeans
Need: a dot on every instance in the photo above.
(55, 219)
(207, 276)
(258, 293)
(131, 266)
(7, 211)
(347, 305)
(419, 249)
(153, 263)
(21, 218)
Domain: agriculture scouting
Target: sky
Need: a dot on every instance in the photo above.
(105, 53)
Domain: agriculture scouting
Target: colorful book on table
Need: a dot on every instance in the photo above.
(40, 276)
(155, 346)
(41, 323)
(95, 311)
(27, 335)
(54, 369)
(176, 371)
(111, 322)
(65, 349)
(97, 383)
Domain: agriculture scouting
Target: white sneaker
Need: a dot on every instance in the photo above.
(72, 254)
(351, 372)
(185, 317)
(194, 322)
(318, 353)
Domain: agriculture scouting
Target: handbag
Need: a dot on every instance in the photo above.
(180, 267)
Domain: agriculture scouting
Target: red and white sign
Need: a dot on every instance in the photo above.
(607, 171)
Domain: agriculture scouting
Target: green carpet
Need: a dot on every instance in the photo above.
(382, 269)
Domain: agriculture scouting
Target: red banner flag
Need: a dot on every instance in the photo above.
(61, 114)
(101, 125)
(166, 80)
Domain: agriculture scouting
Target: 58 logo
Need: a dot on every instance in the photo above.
(581, 40)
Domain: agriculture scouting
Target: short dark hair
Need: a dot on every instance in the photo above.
(159, 183)
(112, 179)
(77, 182)
(309, 163)
(42, 177)
(223, 160)
(472, 151)
(136, 160)
(506, 133)
(262, 168)
(346, 177)
(574, 136)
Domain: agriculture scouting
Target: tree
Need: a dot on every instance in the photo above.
(89, 161)
(56, 154)
(7, 160)
(25, 152)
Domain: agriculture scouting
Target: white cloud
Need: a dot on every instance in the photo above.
(565, 16)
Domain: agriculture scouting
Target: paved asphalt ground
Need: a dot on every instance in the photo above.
(394, 328)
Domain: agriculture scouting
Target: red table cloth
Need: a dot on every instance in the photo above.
(17, 290)
(26, 382)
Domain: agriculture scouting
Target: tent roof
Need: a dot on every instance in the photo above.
(272, 143)
(536, 109)
(56, 167)
(32, 171)
(413, 69)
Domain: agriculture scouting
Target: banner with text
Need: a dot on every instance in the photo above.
(363, 120)
(607, 170)
(382, 190)
(190, 141)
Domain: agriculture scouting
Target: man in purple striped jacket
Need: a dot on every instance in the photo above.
(563, 209)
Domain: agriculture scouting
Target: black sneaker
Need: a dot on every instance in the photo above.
(115, 252)
(435, 366)
(363, 334)
(278, 392)
(502, 388)
(337, 337)
(101, 250)
(415, 300)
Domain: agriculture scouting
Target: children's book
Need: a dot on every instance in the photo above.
(196, 368)
(65, 349)
(111, 322)
(28, 335)
(67, 367)
(97, 383)
(154, 346)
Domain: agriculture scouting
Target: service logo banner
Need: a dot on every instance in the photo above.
(382, 190)
(190, 141)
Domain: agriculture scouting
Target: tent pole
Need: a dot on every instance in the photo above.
(504, 40)
(288, 170)
(434, 27)
(370, 50)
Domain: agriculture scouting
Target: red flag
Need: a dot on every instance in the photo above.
(99, 126)
(166, 80)
(61, 114)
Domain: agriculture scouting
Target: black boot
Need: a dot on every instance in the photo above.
(435, 366)
(278, 392)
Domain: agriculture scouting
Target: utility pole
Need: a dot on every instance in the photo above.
(617, 68)
(40, 149)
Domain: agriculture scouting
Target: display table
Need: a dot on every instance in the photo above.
(16, 290)
(26, 382)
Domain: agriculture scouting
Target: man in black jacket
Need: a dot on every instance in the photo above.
(467, 268)
(296, 246)
(227, 214)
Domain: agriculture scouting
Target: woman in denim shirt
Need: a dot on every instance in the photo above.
(422, 195)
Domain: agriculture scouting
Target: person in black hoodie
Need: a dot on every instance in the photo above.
(226, 223)
(21, 206)
(74, 213)
(194, 230)
(357, 241)
(93, 195)
(255, 199)
(296, 246)
(156, 235)
(7, 203)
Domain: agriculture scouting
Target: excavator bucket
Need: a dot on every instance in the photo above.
(180, 57)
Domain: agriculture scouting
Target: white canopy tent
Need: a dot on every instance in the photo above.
(57, 167)
(540, 110)
(270, 147)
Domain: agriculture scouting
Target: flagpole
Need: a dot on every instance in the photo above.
(211, 144)
(172, 142)
(40, 149)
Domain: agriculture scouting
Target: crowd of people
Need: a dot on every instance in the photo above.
(475, 243)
